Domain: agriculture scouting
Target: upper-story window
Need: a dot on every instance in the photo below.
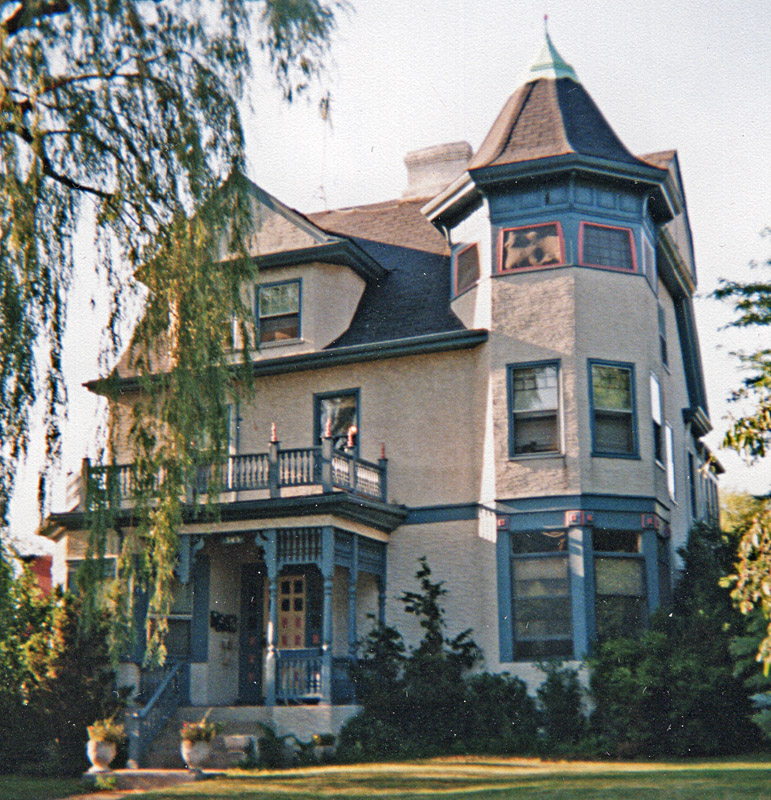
(465, 267)
(278, 311)
(611, 388)
(663, 337)
(607, 246)
(531, 247)
(534, 408)
(337, 416)
(657, 418)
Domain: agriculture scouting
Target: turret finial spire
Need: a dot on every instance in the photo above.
(549, 63)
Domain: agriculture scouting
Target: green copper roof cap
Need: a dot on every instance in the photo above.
(549, 63)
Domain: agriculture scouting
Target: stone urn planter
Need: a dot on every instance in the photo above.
(196, 741)
(104, 736)
(100, 754)
(195, 754)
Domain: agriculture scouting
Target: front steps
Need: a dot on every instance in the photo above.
(302, 721)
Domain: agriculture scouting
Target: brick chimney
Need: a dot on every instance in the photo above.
(433, 168)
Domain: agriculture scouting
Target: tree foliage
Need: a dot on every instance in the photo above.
(127, 112)
(750, 434)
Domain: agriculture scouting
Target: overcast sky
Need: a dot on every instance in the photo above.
(406, 74)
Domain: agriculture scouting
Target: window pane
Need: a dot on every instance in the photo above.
(616, 541)
(276, 329)
(178, 638)
(339, 413)
(535, 388)
(670, 448)
(613, 433)
(284, 298)
(537, 434)
(537, 246)
(466, 267)
(620, 616)
(607, 247)
(542, 606)
(619, 576)
(538, 543)
(611, 387)
(655, 399)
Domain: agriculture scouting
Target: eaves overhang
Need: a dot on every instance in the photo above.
(697, 417)
(385, 517)
(343, 252)
(333, 357)
(665, 203)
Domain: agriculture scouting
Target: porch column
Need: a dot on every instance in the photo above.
(271, 562)
(652, 580)
(353, 577)
(327, 572)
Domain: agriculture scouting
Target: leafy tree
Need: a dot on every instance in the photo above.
(673, 690)
(750, 434)
(126, 111)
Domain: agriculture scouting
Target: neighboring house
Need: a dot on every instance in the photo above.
(498, 371)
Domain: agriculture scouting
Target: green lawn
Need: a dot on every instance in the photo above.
(494, 779)
(15, 788)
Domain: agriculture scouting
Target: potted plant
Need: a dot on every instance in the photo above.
(104, 736)
(196, 741)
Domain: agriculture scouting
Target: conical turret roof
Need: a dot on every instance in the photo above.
(551, 114)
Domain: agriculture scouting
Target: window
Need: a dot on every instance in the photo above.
(621, 605)
(278, 306)
(663, 337)
(613, 415)
(692, 485)
(532, 247)
(649, 263)
(337, 415)
(542, 618)
(606, 246)
(669, 443)
(534, 404)
(465, 267)
(656, 415)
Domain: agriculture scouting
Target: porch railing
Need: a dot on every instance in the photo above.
(299, 675)
(272, 471)
(143, 724)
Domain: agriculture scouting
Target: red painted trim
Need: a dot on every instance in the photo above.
(499, 260)
(605, 266)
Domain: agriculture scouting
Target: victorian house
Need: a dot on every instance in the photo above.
(498, 371)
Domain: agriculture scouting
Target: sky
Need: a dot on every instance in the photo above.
(406, 74)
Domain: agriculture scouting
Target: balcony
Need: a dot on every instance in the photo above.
(276, 473)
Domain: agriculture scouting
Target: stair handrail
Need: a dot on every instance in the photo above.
(141, 726)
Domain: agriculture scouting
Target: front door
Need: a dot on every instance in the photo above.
(251, 638)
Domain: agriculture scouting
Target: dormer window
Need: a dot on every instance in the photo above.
(465, 267)
(607, 246)
(278, 311)
(531, 247)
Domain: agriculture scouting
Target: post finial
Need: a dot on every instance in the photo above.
(328, 428)
(273, 433)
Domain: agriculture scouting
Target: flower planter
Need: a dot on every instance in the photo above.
(195, 754)
(100, 754)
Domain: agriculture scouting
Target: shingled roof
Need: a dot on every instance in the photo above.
(413, 299)
(551, 114)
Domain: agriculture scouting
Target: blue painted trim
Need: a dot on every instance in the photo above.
(445, 513)
(199, 626)
(258, 319)
(635, 454)
(332, 357)
(318, 396)
(650, 553)
(581, 589)
(510, 369)
(505, 597)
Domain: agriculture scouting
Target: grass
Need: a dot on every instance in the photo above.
(492, 779)
(13, 787)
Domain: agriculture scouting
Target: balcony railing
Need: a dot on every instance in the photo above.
(272, 471)
(299, 675)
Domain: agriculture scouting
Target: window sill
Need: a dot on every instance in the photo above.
(628, 456)
(660, 465)
(531, 456)
(264, 345)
